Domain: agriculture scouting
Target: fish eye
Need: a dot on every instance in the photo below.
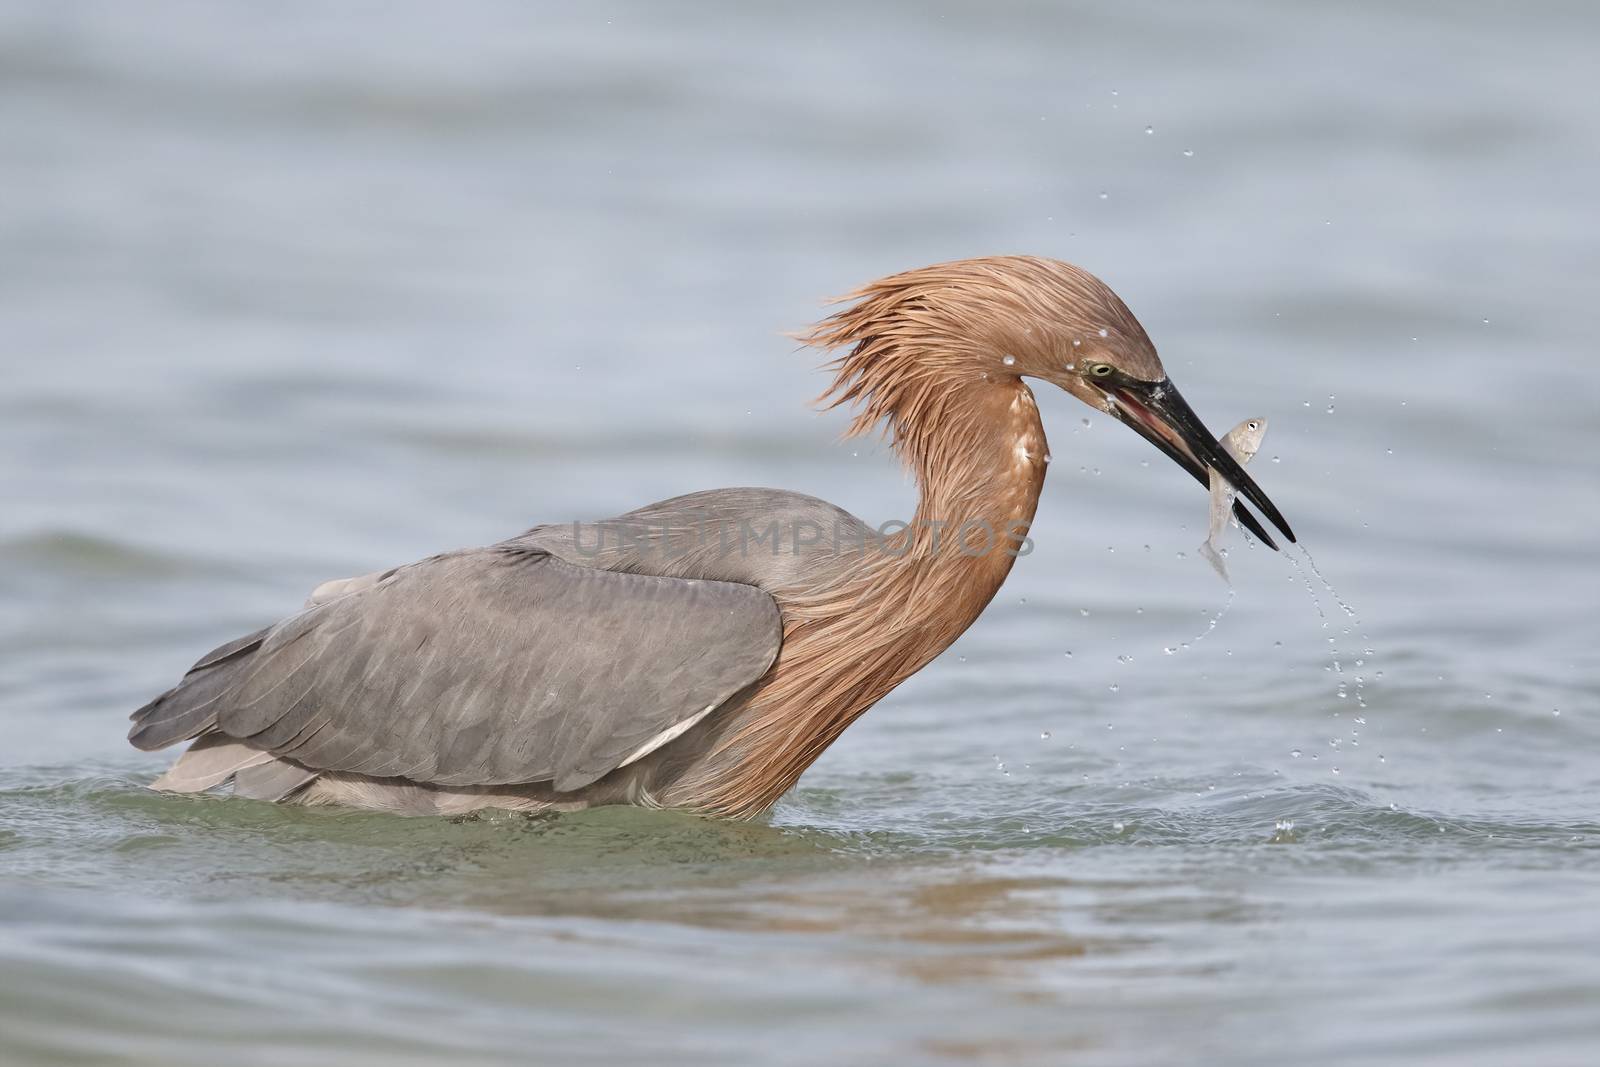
(1253, 425)
(1101, 370)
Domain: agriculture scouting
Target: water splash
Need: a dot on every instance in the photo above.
(1211, 624)
(1357, 657)
(1349, 610)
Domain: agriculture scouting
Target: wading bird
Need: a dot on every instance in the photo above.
(701, 652)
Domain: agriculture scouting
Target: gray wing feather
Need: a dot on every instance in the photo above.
(493, 666)
(189, 708)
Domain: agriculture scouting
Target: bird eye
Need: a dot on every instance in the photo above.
(1101, 370)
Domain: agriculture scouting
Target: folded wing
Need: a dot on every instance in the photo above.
(494, 666)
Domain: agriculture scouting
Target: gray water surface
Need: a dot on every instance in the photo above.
(300, 291)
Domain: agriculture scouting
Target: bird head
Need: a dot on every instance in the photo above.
(1002, 318)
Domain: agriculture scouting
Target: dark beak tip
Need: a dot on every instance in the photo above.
(1248, 520)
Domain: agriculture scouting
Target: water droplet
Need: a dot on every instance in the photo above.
(1009, 360)
(1169, 650)
(1382, 760)
(1117, 826)
(1277, 459)
(1336, 770)
(1295, 752)
(1556, 712)
(1104, 194)
(1104, 332)
(1068, 653)
(1084, 612)
(1486, 322)
(1149, 129)
(1188, 152)
(1044, 735)
(1124, 659)
(1115, 687)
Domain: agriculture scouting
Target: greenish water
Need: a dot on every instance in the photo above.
(290, 298)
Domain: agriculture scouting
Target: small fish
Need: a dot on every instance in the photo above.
(1241, 443)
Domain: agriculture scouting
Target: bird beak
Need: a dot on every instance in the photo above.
(1157, 412)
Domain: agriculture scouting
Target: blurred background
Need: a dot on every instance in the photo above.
(297, 291)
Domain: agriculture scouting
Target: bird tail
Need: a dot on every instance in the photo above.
(210, 761)
(214, 758)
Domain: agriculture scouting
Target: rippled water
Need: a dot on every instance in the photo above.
(299, 292)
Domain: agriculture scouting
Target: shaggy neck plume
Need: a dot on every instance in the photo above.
(969, 430)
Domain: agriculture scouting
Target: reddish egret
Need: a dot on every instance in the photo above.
(698, 653)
